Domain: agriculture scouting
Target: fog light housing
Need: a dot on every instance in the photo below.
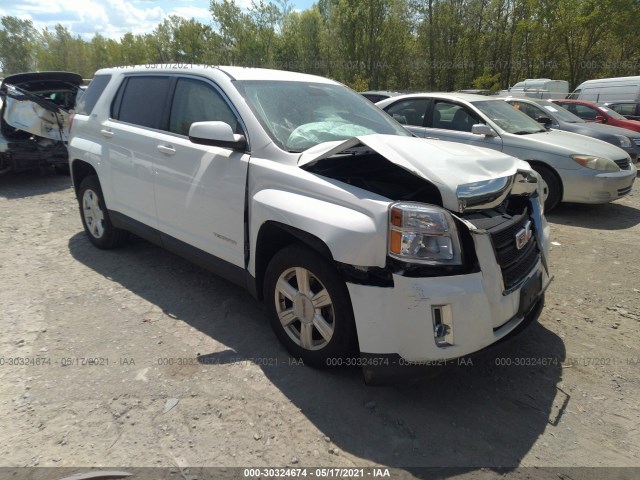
(442, 319)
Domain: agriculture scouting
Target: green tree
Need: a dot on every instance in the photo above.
(17, 40)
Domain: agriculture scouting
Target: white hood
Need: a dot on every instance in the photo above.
(445, 164)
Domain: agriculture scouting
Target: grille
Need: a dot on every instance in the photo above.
(623, 191)
(515, 263)
(623, 164)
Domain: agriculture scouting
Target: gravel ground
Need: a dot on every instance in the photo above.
(136, 357)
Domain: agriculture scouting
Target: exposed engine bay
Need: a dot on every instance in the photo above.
(373, 172)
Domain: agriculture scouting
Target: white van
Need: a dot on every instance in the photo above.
(608, 90)
(538, 88)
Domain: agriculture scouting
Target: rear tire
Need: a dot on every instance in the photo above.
(552, 186)
(309, 307)
(95, 217)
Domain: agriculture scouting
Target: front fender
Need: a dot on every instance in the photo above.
(353, 237)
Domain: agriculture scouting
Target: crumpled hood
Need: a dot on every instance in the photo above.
(445, 164)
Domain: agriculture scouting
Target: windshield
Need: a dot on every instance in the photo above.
(300, 115)
(508, 118)
(611, 113)
(561, 113)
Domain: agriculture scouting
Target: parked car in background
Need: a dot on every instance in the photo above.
(34, 111)
(608, 90)
(554, 116)
(538, 88)
(355, 233)
(592, 112)
(629, 110)
(574, 168)
(376, 96)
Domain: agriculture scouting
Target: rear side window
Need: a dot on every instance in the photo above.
(141, 101)
(91, 96)
(196, 101)
(409, 112)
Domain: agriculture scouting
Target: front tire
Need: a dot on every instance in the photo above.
(309, 307)
(551, 186)
(95, 217)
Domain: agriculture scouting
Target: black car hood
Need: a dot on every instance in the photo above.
(36, 81)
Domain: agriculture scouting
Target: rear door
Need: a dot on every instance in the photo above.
(129, 134)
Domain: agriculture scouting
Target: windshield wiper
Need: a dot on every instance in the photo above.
(527, 132)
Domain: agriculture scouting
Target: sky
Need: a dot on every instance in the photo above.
(112, 18)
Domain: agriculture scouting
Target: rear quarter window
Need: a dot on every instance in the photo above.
(141, 100)
(93, 93)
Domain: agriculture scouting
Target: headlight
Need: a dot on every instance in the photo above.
(596, 163)
(625, 142)
(420, 233)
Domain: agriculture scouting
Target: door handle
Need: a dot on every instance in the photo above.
(167, 149)
(432, 138)
(106, 133)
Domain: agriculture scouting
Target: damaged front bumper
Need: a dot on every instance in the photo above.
(431, 319)
(403, 320)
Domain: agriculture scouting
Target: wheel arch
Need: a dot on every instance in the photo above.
(555, 173)
(79, 171)
(273, 237)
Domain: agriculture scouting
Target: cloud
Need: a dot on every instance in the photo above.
(199, 13)
(110, 18)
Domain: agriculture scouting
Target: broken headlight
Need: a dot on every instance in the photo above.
(425, 234)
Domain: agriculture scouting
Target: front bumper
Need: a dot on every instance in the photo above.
(591, 186)
(399, 320)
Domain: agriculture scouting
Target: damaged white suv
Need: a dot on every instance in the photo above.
(359, 237)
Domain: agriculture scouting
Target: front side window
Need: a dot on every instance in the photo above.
(300, 115)
(530, 110)
(409, 112)
(141, 100)
(196, 101)
(508, 118)
(562, 113)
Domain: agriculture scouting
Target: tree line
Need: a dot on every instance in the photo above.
(367, 44)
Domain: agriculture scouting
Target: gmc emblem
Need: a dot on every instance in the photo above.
(523, 236)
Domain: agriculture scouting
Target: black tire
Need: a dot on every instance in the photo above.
(101, 232)
(554, 187)
(317, 351)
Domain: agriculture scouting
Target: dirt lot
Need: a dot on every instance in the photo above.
(144, 316)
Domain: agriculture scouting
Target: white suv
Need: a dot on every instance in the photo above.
(359, 237)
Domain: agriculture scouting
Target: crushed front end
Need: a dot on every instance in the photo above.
(430, 311)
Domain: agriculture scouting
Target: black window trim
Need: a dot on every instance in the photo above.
(115, 109)
(168, 105)
(224, 97)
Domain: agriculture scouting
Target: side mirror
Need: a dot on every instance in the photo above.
(546, 121)
(601, 119)
(217, 134)
(482, 129)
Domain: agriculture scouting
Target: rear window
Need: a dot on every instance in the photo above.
(141, 100)
(89, 99)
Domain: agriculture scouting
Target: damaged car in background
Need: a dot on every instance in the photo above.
(34, 113)
(369, 246)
